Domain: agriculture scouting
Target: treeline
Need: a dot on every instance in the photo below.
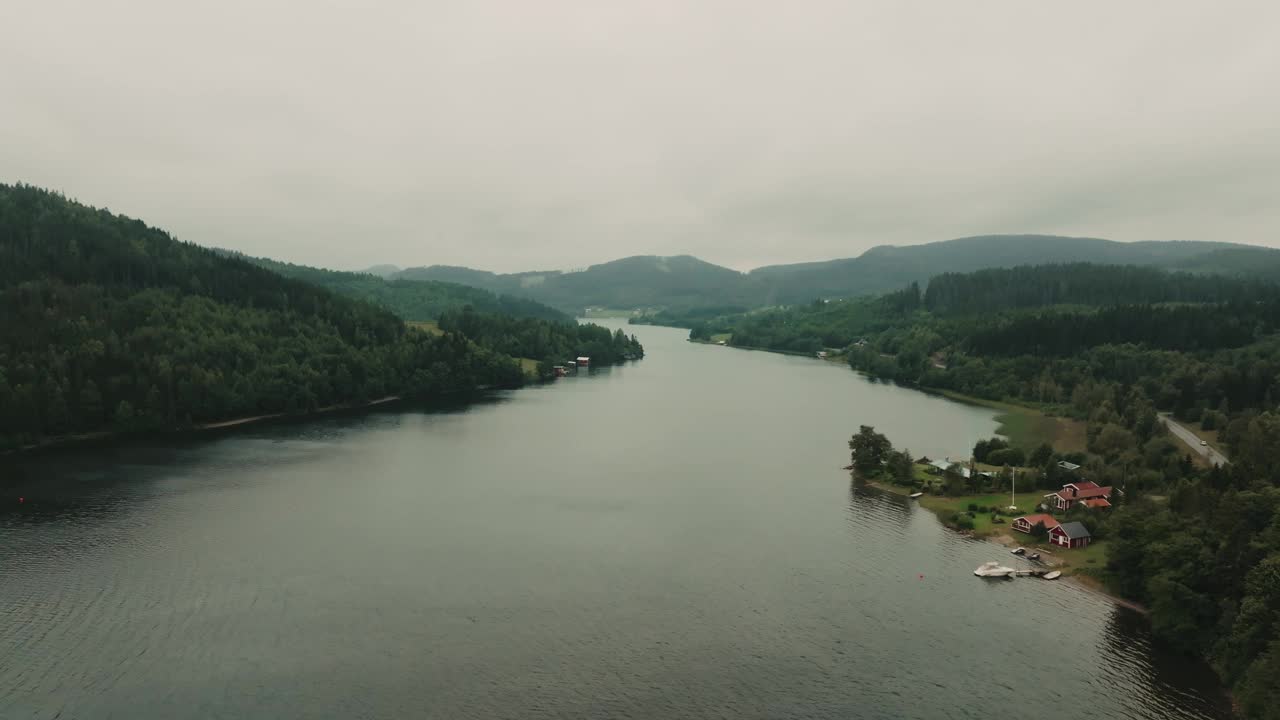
(550, 343)
(804, 328)
(107, 324)
(1179, 327)
(1001, 289)
(419, 300)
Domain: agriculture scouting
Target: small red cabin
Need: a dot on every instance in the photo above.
(1027, 523)
(1070, 535)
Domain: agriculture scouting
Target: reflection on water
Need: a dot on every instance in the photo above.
(665, 539)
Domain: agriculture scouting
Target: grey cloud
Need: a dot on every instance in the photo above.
(512, 136)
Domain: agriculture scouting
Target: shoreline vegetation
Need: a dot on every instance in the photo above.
(1071, 562)
(1024, 424)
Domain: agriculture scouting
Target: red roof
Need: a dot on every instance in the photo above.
(1084, 491)
(1033, 520)
(1098, 502)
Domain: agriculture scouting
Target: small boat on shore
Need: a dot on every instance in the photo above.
(994, 569)
(1033, 556)
(915, 495)
(1053, 575)
(1018, 551)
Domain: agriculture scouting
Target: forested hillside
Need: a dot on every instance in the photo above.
(1000, 289)
(1113, 347)
(684, 284)
(107, 324)
(418, 300)
(546, 342)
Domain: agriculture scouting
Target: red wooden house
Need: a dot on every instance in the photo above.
(1070, 535)
(1087, 493)
(1028, 522)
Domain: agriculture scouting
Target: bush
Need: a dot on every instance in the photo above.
(1007, 456)
(973, 507)
(997, 520)
(963, 521)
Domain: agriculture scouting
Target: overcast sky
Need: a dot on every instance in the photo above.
(521, 135)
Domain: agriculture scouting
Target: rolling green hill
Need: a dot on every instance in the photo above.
(684, 283)
(885, 268)
(633, 282)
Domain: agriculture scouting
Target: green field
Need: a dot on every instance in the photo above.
(1028, 427)
(945, 507)
(428, 326)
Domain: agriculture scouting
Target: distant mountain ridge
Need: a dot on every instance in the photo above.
(684, 282)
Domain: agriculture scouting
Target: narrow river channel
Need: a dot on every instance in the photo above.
(668, 539)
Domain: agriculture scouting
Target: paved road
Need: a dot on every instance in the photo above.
(1193, 442)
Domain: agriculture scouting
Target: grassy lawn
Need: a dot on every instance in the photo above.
(1027, 428)
(428, 326)
(945, 507)
(1087, 559)
(530, 367)
(722, 337)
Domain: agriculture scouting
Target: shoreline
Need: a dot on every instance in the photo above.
(1083, 581)
(63, 442)
(235, 422)
(87, 439)
(68, 441)
(1025, 424)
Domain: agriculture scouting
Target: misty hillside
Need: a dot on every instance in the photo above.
(413, 299)
(1245, 261)
(382, 271)
(633, 282)
(685, 282)
(887, 267)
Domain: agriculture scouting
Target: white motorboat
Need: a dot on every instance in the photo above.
(1054, 575)
(994, 569)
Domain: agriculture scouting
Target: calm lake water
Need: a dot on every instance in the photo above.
(669, 539)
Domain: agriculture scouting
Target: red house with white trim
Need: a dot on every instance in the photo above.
(1027, 523)
(1087, 493)
(1070, 535)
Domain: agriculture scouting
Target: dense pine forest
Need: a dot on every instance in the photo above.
(1114, 347)
(107, 324)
